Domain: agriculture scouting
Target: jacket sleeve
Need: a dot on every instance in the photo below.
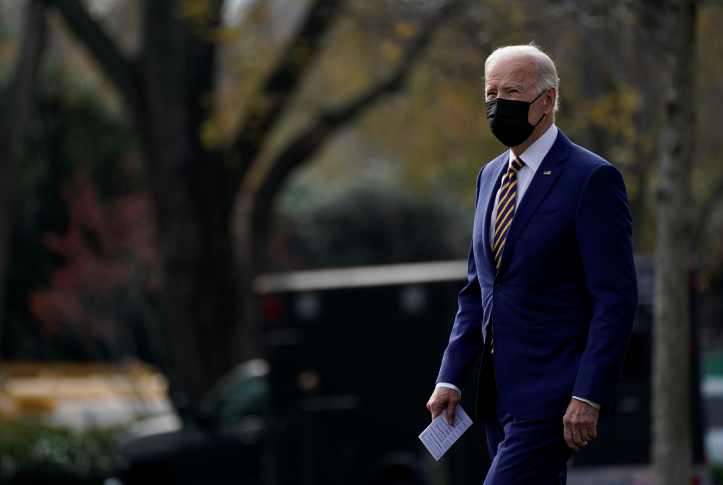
(465, 342)
(604, 234)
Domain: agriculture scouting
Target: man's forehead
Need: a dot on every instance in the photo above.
(514, 71)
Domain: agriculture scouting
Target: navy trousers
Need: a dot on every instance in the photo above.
(522, 451)
(530, 452)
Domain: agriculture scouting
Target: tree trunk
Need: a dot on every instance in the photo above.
(672, 447)
(16, 103)
(176, 73)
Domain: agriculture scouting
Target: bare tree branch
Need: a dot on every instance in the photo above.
(116, 65)
(279, 87)
(16, 104)
(305, 145)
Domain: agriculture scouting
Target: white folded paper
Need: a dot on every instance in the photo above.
(440, 436)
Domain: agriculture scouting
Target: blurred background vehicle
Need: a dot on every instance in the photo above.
(341, 344)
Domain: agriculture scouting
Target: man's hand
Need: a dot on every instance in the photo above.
(444, 398)
(580, 423)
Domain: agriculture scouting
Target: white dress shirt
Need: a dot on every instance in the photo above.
(532, 158)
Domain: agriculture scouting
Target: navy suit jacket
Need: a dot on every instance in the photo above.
(563, 301)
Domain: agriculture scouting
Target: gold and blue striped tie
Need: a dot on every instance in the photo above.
(505, 213)
(505, 209)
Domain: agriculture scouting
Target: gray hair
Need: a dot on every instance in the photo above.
(546, 71)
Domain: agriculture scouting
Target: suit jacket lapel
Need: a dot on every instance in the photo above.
(536, 192)
(497, 173)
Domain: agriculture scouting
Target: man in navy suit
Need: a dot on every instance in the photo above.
(552, 289)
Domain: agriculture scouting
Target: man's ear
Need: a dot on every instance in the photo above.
(552, 97)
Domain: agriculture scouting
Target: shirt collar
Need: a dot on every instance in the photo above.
(536, 152)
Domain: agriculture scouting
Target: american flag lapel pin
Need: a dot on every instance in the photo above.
(547, 172)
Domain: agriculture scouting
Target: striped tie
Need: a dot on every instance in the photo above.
(505, 213)
(505, 209)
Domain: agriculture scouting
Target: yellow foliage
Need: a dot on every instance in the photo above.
(646, 144)
(347, 65)
(198, 13)
(404, 29)
(195, 10)
(302, 52)
(615, 112)
(210, 134)
(391, 50)
(225, 35)
(632, 184)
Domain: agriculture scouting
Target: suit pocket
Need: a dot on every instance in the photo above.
(545, 216)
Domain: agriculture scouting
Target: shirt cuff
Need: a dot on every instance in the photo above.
(591, 403)
(451, 386)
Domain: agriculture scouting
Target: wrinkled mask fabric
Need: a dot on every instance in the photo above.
(508, 120)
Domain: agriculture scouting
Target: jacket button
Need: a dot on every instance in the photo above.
(498, 287)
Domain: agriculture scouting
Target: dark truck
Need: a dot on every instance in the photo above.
(351, 358)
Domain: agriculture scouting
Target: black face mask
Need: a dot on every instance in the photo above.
(508, 120)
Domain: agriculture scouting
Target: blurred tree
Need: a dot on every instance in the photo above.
(672, 447)
(16, 103)
(167, 89)
(74, 130)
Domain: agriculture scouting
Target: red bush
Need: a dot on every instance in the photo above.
(108, 248)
